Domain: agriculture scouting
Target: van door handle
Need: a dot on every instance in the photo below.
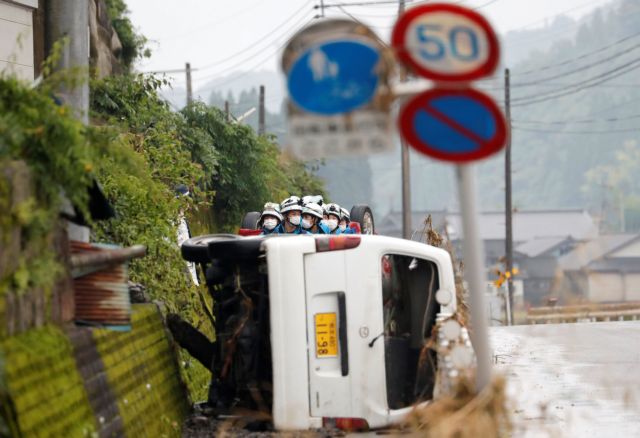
(342, 333)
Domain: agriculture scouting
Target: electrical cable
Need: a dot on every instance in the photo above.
(579, 69)
(566, 122)
(256, 43)
(578, 58)
(205, 26)
(549, 131)
(232, 67)
(250, 70)
(580, 86)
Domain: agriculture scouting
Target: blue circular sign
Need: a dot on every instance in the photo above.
(334, 77)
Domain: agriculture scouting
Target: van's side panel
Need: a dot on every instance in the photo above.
(289, 338)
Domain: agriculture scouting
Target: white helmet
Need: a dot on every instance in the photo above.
(290, 204)
(333, 209)
(345, 214)
(271, 209)
(316, 199)
(313, 209)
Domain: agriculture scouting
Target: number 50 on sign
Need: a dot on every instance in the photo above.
(445, 42)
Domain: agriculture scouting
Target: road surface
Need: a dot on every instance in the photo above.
(572, 380)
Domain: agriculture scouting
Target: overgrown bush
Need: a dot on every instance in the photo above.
(248, 170)
(55, 146)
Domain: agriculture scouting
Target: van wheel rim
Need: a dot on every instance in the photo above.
(367, 224)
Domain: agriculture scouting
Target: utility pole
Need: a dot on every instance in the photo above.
(226, 111)
(406, 168)
(70, 18)
(261, 125)
(321, 8)
(189, 89)
(508, 203)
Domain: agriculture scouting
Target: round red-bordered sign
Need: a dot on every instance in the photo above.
(455, 125)
(404, 24)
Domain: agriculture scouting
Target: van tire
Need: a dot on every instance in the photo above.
(196, 249)
(362, 214)
(250, 220)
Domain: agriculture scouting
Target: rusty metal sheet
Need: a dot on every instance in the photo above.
(102, 295)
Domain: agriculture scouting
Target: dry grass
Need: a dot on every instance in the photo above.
(433, 238)
(465, 414)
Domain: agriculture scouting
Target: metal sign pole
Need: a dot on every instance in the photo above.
(473, 251)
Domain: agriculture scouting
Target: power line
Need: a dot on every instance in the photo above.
(578, 58)
(549, 131)
(232, 67)
(566, 122)
(579, 69)
(573, 9)
(580, 86)
(258, 42)
(249, 71)
(208, 25)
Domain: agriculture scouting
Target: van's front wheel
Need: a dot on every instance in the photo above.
(364, 216)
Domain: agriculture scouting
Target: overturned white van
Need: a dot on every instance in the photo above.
(323, 331)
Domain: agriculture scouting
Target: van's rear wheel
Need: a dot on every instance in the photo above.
(250, 220)
(196, 249)
(364, 216)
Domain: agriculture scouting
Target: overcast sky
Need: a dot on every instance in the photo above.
(219, 37)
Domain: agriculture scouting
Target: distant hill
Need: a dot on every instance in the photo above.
(568, 77)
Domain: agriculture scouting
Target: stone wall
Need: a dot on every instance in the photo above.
(104, 43)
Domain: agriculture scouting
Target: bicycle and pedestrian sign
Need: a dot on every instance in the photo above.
(339, 97)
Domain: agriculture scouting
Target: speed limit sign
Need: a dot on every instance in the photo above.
(445, 42)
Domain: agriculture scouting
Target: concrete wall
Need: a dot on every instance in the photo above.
(632, 287)
(67, 381)
(16, 39)
(606, 286)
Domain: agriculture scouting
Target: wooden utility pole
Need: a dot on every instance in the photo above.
(261, 111)
(226, 111)
(406, 166)
(189, 89)
(508, 201)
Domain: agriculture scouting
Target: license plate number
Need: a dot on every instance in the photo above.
(326, 335)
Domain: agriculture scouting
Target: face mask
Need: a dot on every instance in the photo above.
(306, 224)
(343, 227)
(270, 224)
(332, 224)
(324, 222)
(294, 220)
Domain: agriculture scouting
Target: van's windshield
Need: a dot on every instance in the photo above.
(409, 285)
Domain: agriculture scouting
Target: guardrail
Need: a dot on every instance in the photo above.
(584, 313)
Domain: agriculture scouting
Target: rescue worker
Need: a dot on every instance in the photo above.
(345, 218)
(332, 218)
(271, 219)
(311, 219)
(291, 210)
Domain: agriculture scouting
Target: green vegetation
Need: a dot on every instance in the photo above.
(55, 146)
(250, 169)
(133, 44)
(151, 151)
